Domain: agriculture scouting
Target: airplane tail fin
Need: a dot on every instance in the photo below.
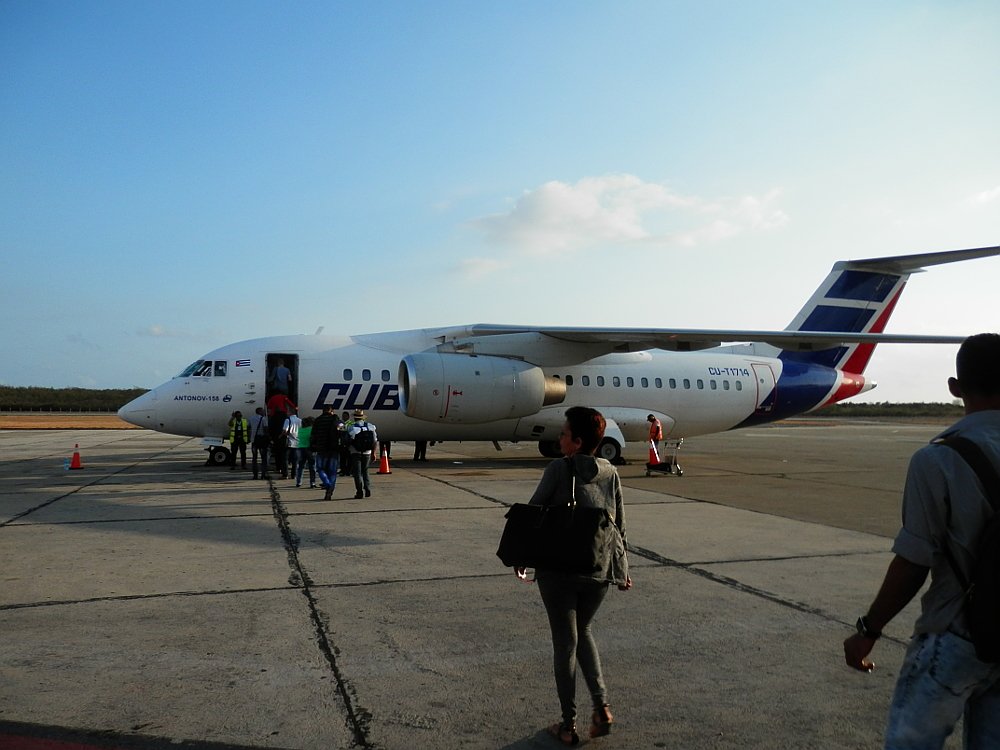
(859, 296)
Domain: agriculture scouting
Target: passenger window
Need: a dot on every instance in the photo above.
(585, 380)
(366, 375)
(739, 385)
(600, 381)
(630, 382)
(645, 382)
(658, 383)
(616, 381)
(673, 382)
(220, 369)
(385, 376)
(713, 385)
(701, 384)
(569, 380)
(348, 373)
(687, 384)
(725, 385)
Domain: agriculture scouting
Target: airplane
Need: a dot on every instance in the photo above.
(514, 383)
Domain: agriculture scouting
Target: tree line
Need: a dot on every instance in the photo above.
(66, 399)
(886, 409)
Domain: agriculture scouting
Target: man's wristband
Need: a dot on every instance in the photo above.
(865, 631)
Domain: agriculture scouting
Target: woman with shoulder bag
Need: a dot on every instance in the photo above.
(571, 600)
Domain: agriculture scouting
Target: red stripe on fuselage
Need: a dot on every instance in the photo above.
(850, 385)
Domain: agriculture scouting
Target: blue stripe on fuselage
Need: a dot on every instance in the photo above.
(801, 387)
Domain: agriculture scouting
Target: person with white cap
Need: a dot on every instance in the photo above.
(363, 439)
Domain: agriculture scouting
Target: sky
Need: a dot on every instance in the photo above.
(176, 176)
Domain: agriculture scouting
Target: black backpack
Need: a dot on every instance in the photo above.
(364, 441)
(982, 587)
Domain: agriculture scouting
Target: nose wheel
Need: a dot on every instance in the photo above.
(218, 456)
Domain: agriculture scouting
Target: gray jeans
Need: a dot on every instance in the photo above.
(571, 605)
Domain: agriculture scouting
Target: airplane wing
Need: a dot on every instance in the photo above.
(852, 284)
(693, 339)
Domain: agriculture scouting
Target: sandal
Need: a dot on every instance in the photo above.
(601, 722)
(565, 733)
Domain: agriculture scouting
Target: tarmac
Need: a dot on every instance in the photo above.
(149, 601)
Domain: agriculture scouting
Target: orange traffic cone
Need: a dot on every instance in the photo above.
(75, 463)
(383, 464)
(654, 458)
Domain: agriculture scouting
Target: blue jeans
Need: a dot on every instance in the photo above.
(326, 469)
(940, 680)
(304, 457)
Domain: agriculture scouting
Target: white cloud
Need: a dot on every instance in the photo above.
(623, 209)
(158, 331)
(987, 196)
(473, 269)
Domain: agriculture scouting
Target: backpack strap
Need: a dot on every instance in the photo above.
(980, 464)
(984, 469)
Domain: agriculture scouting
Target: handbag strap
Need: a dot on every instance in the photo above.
(572, 480)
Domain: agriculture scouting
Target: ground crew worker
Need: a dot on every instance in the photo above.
(655, 432)
(239, 431)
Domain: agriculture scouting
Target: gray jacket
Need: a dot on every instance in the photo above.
(597, 486)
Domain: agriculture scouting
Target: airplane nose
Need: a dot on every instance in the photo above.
(140, 411)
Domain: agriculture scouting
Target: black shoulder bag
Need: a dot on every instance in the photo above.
(567, 537)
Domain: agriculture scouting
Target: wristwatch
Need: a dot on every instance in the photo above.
(865, 631)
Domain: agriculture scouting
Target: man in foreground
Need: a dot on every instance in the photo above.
(944, 508)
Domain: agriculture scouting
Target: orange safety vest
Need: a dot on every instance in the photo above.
(655, 430)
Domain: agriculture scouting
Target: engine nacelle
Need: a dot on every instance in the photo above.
(473, 389)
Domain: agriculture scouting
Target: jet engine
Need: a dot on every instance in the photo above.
(473, 389)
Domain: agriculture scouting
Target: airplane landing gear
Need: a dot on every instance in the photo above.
(218, 456)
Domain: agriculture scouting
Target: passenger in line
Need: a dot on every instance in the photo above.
(260, 439)
(326, 447)
(944, 512)
(239, 432)
(305, 454)
(279, 406)
(291, 432)
(571, 600)
(280, 378)
(345, 448)
(363, 439)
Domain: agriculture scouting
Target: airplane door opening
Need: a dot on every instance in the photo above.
(279, 381)
(767, 391)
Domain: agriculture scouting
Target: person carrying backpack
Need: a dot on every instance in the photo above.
(946, 511)
(363, 440)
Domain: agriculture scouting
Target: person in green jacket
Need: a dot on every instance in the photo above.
(304, 453)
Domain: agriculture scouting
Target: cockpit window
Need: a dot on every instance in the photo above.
(220, 368)
(200, 369)
(192, 368)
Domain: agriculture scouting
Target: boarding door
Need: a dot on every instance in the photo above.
(767, 388)
(290, 361)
